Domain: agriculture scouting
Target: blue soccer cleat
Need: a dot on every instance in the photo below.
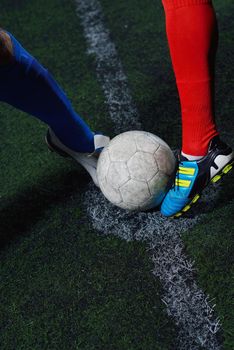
(193, 176)
(87, 160)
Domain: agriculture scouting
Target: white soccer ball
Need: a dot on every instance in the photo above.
(134, 170)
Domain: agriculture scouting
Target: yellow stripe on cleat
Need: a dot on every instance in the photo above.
(227, 168)
(186, 171)
(195, 199)
(182, 183)
(216, 178)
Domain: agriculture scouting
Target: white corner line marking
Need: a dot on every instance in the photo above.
(184, 300)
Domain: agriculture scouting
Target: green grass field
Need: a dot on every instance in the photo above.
(63, 286)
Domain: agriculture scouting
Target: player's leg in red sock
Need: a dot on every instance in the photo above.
(192, 36)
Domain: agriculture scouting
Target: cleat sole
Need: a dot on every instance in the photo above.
(195, 199)
(55, 149)
(186, 208)
(177, 215)
(227, 168)
(216, 178)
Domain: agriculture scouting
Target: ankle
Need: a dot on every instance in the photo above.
(191, 157)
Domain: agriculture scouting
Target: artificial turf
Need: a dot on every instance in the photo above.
(62, 285)
(138, 30)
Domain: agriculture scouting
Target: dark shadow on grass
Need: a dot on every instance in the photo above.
(22, 211)
(11, 5)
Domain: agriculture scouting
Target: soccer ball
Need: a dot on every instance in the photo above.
(134, 170)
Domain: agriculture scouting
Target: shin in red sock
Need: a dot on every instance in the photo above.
(192, 37)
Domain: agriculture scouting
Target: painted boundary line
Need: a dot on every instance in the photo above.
(109, 69)
(184, 300)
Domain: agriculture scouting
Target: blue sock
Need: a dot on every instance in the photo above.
(28, 86)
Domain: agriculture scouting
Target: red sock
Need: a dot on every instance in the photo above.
(193, 36)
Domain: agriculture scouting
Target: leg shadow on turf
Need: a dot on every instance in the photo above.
(22, 211)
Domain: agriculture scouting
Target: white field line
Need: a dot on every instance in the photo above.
(184, 300)
(110, 73)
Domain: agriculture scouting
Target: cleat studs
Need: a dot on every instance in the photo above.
(177, 215)
(195, 199)
(216, 178)
(227, 168)
(186, 208)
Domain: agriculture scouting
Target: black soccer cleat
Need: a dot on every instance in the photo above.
(193, 176)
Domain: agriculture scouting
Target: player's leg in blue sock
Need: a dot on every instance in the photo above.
(28, 86)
